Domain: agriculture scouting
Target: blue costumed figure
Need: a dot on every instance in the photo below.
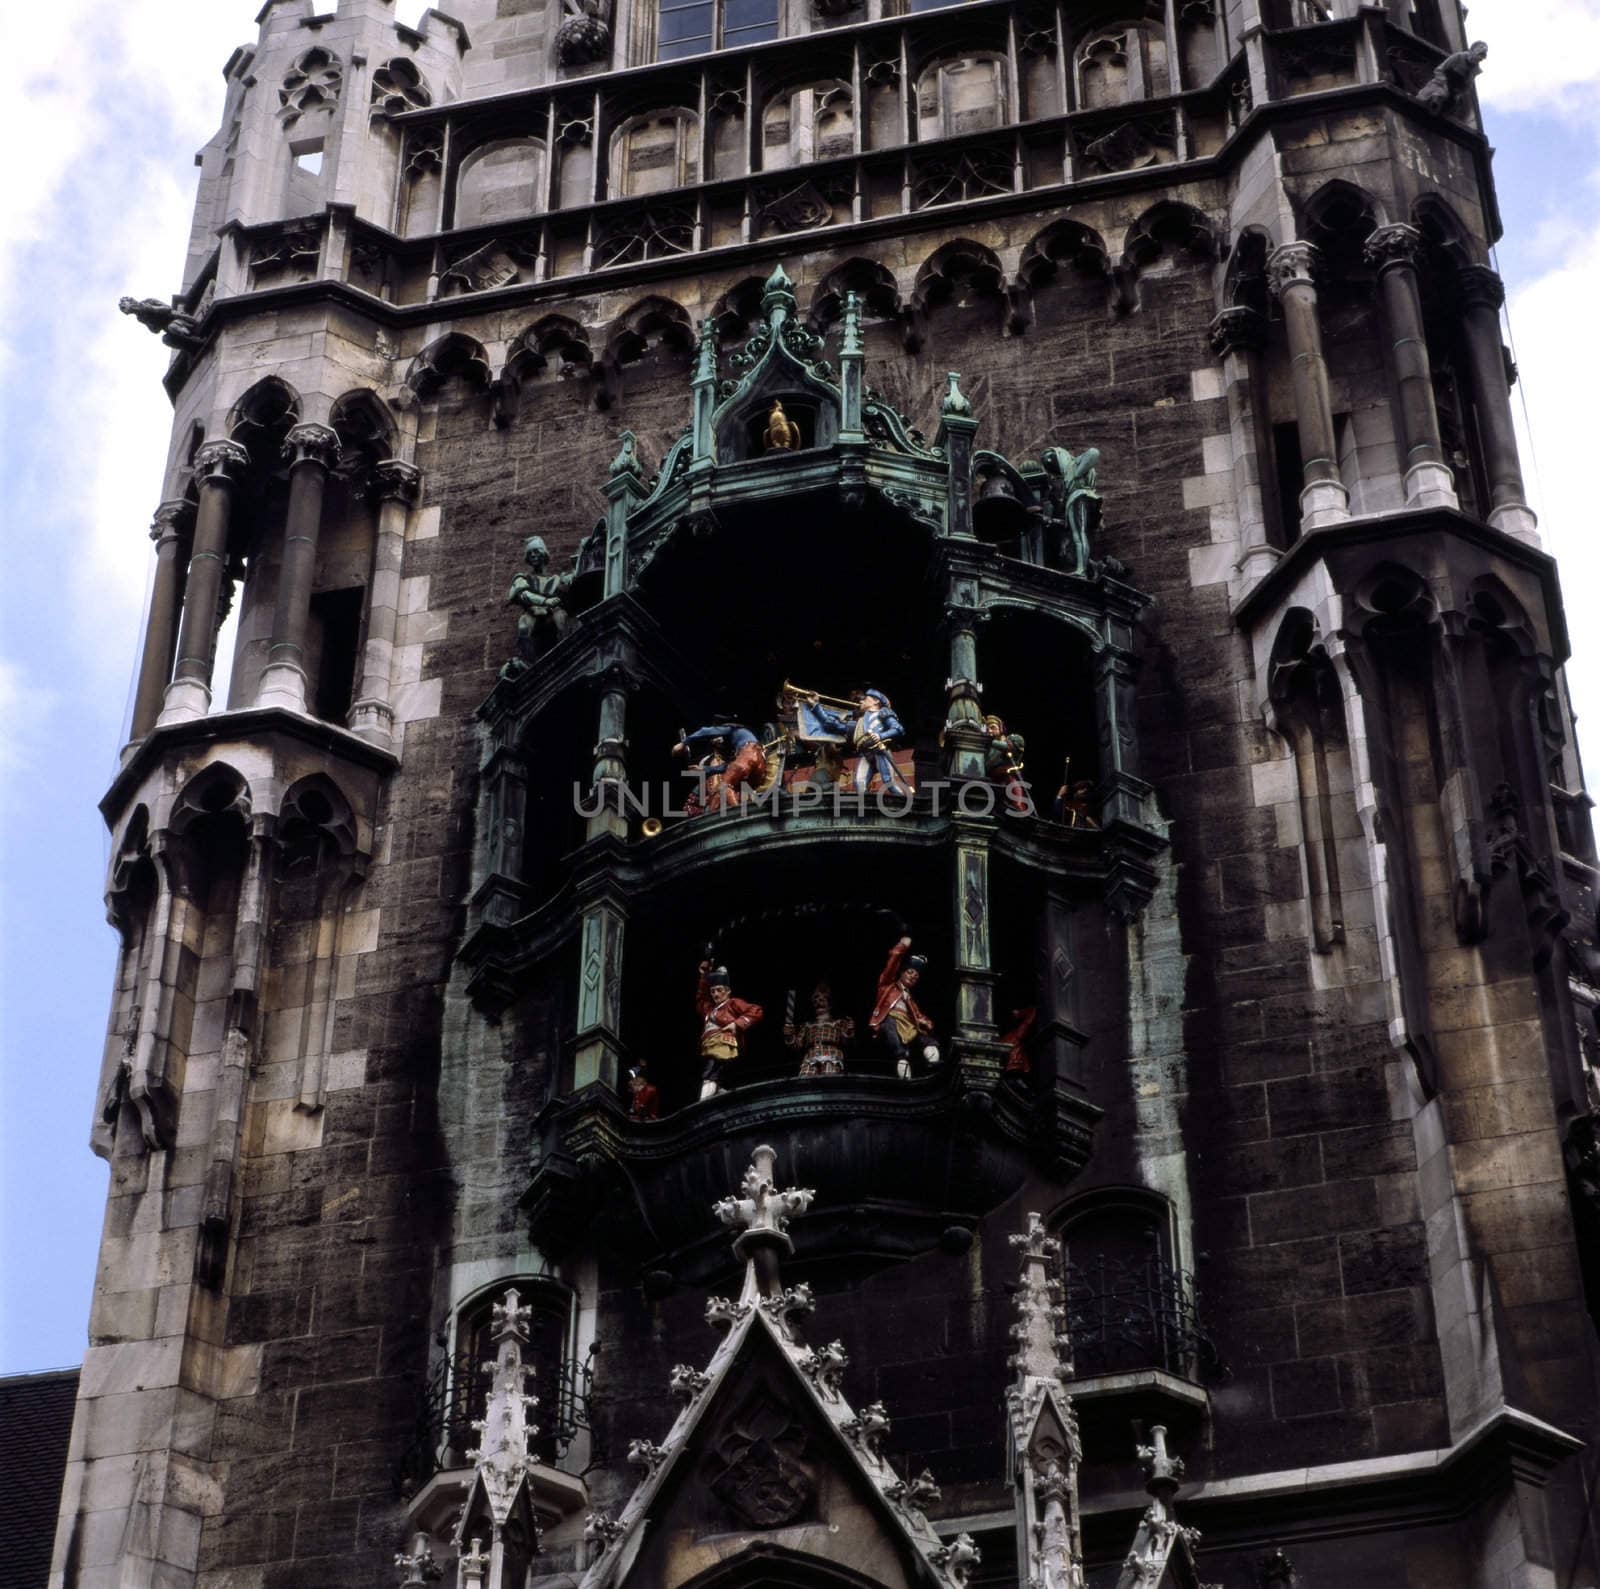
(737, 758)
(870, 735)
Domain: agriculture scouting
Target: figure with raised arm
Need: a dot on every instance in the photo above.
(729, 753)
(907, 1033)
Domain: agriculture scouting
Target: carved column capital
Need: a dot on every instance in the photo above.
(394, 481)
(310, 443)
(1238, 330)
(172, 520)
(1481, 288)
(1294, 264)
(217, 460)
(1394, 245)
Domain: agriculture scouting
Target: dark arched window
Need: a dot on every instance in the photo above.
(1129, 1306)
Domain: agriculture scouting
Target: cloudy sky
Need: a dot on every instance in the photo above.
(100, 183)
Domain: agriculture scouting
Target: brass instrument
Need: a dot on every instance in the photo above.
(650, 828)
(832, 700)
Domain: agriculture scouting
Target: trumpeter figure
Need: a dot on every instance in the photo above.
(872, 735)
(907, 1033)
(724, 1020)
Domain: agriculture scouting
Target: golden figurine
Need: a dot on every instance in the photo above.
(781, 434)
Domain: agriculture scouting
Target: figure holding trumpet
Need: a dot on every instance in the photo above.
(870, 729)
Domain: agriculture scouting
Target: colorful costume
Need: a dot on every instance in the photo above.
(821, 1040)
(646, 1097)
(1002, 760)
(745, 761)
(896, 1015)
(871, 734)
(722, 1028)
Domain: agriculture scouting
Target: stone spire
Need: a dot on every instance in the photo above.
(499, 1505)
(1044, 1449)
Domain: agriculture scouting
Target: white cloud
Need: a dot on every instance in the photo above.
(1542, 53)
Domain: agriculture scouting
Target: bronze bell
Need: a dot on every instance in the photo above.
(998, 514)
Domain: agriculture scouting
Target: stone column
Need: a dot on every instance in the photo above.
(398, 486)
(963, 728)
(169, 531)
(216, 466)
(310, 451)
(1482, 294)
(1291, 272)
(598, 1055)
(611, 755)
(975, 977)
(1239, 337)
(1394, 252)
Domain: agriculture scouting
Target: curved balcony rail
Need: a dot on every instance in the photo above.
(1130, 1314)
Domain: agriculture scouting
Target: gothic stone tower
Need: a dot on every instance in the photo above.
(1281, 1014)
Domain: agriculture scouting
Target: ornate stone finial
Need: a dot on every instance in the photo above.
(723, 1314)
(778, 301)
(1238, 330)
(504, 1457)
(418, 1564)
(1044, 1350)
(311, 443)
(955, 404)
(790, 1303)
(626, 461)
(474, 1566)
(958, 1559)
(1295, 264)
(1043, 1434)
(1163, 1471)
(762, 1216)
(1389, 246)
(917, 1496)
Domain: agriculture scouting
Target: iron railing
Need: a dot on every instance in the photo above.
(1127, 1314)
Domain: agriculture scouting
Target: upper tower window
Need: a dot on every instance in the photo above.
(692, 27)
(1125, 61)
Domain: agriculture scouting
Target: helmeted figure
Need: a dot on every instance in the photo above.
(821, 1040)
(644, 1097)
(724, 1020)
(736, 758)
(540, 598)
(906, 1031)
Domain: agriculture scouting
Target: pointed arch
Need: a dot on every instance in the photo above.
(1244, 284)
(364, 425)
(553, 336)
(1338, 219)
(1445, 231)
(872, 282)
(738, 311)
(1168, 227)
(452, 356)
(652, 320)
(263, 417)
(1064, 244)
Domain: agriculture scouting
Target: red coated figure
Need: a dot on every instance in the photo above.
(644, 1096)
(895, 1014)
(723, 1022)
(1017, 1061)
